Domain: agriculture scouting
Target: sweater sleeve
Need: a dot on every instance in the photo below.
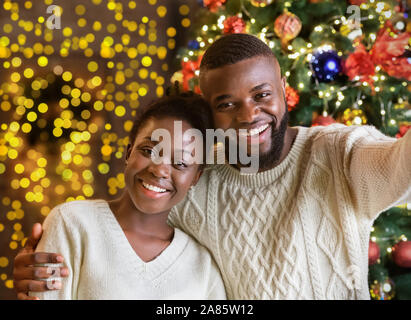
(57, 237)
(378, 169)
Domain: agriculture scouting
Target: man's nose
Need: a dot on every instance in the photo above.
(247, 112)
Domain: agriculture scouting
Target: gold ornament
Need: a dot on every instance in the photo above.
(287, 26)
(354, 117)
(382, 290)
(261, 3)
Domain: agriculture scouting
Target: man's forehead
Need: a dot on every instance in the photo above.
(247, 73)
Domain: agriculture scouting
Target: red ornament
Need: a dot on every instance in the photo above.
(403, 130)
(388, 51)
(373, 253)
(233, 25)
(292, 97)
(287, 26)
(213, 5)
(322, 121)
(189, 69)
(401, 254)
(359, 64)
(357, 2)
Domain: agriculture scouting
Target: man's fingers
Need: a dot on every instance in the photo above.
(36, 273)
(23, 296)
(35, 236)
(37, 285)
(25, 259)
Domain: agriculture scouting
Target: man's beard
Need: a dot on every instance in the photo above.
(268, 159)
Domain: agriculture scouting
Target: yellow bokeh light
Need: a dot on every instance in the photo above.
(42, 61)
(80, 9)
(92, 66)
(2, 168)
(15, 77)
(67, 76)
(161, 11)
(16, 62)
(24, 183)
(19, 168)
(42, 107)
(4, 262)
(185, 22)
(184, 10)
(171, 32)
(26, 127)
(103, 168)
(32, 116)
(146, 61)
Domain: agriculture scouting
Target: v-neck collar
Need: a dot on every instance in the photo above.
(155, 267)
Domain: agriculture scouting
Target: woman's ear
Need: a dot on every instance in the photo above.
(129, 146)
(197, 177)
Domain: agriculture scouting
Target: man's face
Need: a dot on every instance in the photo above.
(250, 95)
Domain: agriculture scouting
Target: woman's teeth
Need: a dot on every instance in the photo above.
(153, 188)
(258, 130)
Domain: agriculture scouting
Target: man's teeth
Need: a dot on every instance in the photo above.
(153, 188)
(255, 131)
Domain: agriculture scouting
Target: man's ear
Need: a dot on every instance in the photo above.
(283, 84)
(129, 148)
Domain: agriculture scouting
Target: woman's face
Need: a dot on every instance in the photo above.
(156, 188)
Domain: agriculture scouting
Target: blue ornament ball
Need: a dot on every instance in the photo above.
(193, 45)
(326, 64)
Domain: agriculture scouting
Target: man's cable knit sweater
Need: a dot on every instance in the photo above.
(300, 230)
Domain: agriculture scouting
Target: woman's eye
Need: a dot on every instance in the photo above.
(148, 151)
(180, 164)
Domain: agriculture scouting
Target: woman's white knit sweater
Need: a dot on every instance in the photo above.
(300, 230)
(103, 265)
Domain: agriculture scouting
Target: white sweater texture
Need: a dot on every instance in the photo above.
(300, 230)
(103, 265)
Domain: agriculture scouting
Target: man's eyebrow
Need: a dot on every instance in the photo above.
(260, 86)
(222, 97)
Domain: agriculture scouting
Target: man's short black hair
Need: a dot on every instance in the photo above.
(233, 48)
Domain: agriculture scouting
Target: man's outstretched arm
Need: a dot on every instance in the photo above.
(378, 169)
(27, 275)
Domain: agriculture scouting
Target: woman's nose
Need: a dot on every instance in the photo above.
(161, 170)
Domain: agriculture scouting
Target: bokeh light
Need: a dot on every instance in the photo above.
(68, 97)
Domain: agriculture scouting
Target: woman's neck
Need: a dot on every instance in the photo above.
(134, 221)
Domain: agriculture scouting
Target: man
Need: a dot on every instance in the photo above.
(299, 228)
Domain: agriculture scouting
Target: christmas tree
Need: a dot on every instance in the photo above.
(344, 61)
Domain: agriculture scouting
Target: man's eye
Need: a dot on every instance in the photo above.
(262, 95)
(225, 105)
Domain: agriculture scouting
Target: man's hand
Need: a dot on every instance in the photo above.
(26, 275)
